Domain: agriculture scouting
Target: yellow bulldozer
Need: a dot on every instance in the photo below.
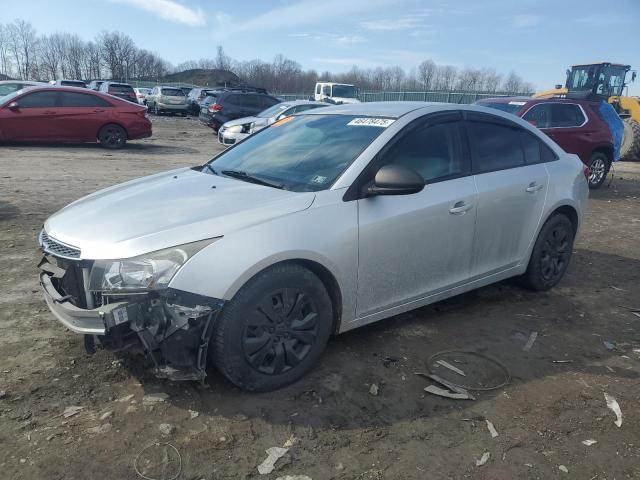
(605, 81)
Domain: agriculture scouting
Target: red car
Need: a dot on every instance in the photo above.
(575, 125)
(69, 114)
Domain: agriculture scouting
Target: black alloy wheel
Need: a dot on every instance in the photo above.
(281, 331)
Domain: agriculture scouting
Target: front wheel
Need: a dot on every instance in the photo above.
(551, 254)
(274, 329)
(112, 136)
(598, 168)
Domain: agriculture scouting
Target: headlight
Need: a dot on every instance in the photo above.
(251, 128)
(235, 129)
(151, 271)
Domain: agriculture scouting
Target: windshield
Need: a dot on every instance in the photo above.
(7, 88)
(172, 92)
(511, 107)
(344, 91)
(273, 111)
(303, 154)
(10, 96)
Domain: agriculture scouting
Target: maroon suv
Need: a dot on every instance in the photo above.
(575, 125)
(68, 114)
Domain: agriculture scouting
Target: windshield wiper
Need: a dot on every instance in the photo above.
(250, 178)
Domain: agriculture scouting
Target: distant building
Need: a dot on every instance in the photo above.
(204, 77)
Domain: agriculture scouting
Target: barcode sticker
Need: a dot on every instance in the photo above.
(371, 122)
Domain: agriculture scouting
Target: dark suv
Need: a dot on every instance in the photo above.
(577, 126)
(229, 105)
(120, 90)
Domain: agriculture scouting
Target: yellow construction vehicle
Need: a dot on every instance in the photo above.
(605, 81)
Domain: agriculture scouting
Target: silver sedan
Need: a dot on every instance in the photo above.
(235, 130)
(321, 223)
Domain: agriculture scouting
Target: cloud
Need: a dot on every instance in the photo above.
(525, 21)
(360, 62)
(402, 23)
(308, 12)
(349, 39)
(606, 19)
(169, 10)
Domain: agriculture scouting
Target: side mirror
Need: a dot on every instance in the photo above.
(281, 116)
(633, 76)
(396, 180)
(13, 106)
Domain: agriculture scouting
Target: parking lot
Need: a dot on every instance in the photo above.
(587, 344)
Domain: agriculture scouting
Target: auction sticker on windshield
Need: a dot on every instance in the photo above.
(371, 122)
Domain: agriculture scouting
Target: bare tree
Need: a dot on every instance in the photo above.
(5, 63)
(22, 45)
(426, 73)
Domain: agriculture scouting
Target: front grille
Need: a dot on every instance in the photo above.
(57, 248)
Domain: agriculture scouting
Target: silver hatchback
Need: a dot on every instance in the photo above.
(318, 224)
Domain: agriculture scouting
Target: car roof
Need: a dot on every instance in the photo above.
(533, 101)
(374, 109)
(293, 103)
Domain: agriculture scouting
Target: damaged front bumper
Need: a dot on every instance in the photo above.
(173, 326)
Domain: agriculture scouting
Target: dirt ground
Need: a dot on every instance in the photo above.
(339, 430)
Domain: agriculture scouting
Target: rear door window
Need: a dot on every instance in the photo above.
(496, 146)
(555, 115)
(235, 100)
(566, 115)
(72, 99)
(39, 100)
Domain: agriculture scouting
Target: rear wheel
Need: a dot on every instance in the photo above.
(112, 136)
(274, 329)
(598, 167)
(630, 148)
(551, 254)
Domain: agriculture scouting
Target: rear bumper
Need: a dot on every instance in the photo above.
(167, 107)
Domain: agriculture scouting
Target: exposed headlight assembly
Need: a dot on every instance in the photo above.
(151, 271)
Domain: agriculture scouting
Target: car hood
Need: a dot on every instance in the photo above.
(239, 121)
(167, 209)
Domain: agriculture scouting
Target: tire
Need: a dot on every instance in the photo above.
(599, 168)
(257, 345)
(156, 111)
(630, 147)
(112, 136)
(551, 254)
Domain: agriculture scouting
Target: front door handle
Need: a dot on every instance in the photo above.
(460, 207)
(533, 187)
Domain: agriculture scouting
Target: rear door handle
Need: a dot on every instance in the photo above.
(460, 207)
(533, 187)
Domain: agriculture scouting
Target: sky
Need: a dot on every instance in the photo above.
(538, 39)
